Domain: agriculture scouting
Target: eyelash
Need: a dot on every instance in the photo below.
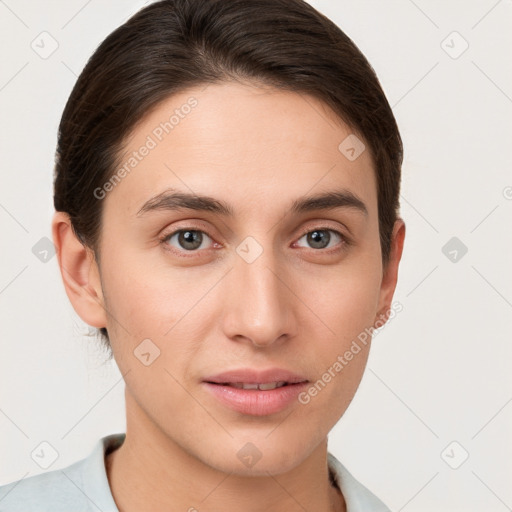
(344, 244)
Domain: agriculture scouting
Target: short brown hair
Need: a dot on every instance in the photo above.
(172, 45)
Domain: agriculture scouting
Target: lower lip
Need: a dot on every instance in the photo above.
(254, 401)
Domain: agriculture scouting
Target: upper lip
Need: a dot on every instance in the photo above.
(252, 376)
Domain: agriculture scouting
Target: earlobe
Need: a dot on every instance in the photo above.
(390, 273)
(79, 271)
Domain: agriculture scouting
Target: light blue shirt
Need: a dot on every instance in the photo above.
(83, 486)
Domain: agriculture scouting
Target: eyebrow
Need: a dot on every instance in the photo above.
(171, 200)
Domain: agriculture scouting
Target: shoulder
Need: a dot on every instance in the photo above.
(51, 491)
(357, 497)
(80, 487)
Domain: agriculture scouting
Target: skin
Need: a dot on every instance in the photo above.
(296, 306)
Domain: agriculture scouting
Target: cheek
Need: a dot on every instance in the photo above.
(165, 305)
(145, 299)
(345, 299)
(348, 309)
(353, 306)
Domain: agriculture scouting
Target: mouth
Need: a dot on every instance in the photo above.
(256, 393)
(254, 378)
(266, 386)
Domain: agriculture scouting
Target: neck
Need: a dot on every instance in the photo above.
(150, 471)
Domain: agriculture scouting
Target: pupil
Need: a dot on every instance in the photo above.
(319, 239)
(190, 239)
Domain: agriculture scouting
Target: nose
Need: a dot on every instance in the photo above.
(259, 302)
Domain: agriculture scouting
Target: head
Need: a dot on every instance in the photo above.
(258, 129)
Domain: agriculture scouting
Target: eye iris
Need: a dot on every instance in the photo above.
(319, 237)
(189, 237)
(192, 239)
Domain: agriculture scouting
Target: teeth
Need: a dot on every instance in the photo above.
(271, 385)
(263, 387)
(247, 386)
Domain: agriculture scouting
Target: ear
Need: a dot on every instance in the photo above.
(79, 271)
(390, 273)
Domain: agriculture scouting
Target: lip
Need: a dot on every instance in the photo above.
(256, 402)
(250, 375)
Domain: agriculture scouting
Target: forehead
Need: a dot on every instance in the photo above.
(243, 143)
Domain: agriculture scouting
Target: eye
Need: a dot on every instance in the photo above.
(186, 239)
(321, 238)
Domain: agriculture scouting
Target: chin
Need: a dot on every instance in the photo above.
(259, 456)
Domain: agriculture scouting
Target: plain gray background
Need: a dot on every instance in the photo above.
(437, 388)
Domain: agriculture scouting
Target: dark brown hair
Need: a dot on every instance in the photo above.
(172, 45)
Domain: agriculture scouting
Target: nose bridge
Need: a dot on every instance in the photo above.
(258, 302)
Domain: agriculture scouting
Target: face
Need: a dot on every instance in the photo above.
(242, 279)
